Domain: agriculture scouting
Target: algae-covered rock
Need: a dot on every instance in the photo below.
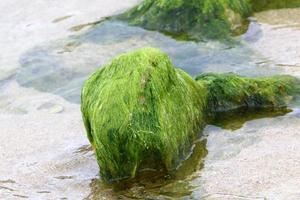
(200, 19)
(194, 20)
(140, 112)
(230, 91)
(260, 5)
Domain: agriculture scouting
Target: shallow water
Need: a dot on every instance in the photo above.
(57, 63)
(44, 153)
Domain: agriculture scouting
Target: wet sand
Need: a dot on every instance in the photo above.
(275, 35)
(269, 168)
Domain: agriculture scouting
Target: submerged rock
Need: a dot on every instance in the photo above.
(193, 20)
(200, 19)
(140, 112)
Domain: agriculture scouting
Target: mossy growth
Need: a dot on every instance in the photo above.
(200, 19)
(230, 91)
(261, 5)
(192, 20)
(140, 112)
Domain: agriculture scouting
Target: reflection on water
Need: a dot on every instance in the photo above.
(152, 184)
(235, 119)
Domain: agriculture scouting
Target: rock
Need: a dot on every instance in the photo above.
(194, 20)
(140, 112)
(230, 91)
(200, 19)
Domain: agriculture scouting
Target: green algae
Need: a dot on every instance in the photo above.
(230, 91)
(261, 5)
(192, 20)
(235, 119)
(140, 112)
(199, 20)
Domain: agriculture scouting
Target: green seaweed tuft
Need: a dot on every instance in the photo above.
(230, 91)
(193, 20)
(140, 112)
(199, 20)
(261, 5)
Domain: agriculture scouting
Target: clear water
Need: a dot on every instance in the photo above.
(62, 66)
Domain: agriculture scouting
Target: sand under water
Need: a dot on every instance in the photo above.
(49, 49)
